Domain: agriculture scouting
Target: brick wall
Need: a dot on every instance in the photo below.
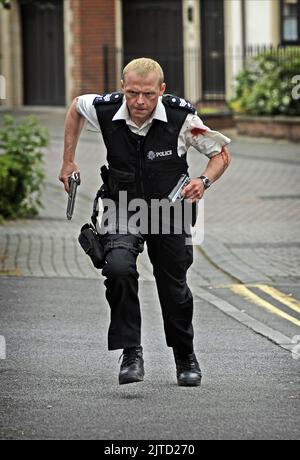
(279, 127)
(93, 28)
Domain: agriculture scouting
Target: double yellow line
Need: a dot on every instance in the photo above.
(284, 299)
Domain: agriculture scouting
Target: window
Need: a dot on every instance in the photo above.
(290, 14)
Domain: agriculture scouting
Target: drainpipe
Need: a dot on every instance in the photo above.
(244, 34)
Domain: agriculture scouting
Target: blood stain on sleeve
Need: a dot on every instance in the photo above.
(198, 131)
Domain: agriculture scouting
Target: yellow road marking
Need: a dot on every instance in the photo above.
(249, 295)
(293, 304)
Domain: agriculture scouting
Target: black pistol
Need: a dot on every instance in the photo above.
(74, 181)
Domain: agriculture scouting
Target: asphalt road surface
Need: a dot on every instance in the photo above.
(57, 379)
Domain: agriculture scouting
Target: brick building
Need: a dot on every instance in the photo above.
(53, 50)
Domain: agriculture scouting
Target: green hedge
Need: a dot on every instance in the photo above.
(265, 86)
(6, 4)
(21, 167)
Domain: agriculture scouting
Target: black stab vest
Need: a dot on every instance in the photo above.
(146, 167)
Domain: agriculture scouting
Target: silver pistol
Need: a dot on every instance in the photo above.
(175, 195)
(74, 181)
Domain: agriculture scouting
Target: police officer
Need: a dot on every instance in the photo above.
(147, 135)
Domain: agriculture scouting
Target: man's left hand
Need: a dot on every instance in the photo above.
(194, 191)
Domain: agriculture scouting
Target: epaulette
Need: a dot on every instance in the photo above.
(113, 98)
(178, 103)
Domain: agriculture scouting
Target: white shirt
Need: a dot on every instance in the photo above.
(209, 143)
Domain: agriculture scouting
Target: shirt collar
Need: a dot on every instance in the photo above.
(159, 114)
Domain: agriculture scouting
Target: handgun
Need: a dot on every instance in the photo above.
(74, 181)
(176, 195)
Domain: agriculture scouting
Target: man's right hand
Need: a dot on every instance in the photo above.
(66, 171)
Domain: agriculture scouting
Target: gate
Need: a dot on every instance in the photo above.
(43, 52)
(154, 29)
(213, 49)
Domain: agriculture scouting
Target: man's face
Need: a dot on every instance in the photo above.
(142, 94)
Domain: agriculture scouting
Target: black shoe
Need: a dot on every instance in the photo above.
(132, 367)
(188, 370)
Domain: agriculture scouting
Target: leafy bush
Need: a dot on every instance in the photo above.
(6, 4)
(21, 167)
(265, 86)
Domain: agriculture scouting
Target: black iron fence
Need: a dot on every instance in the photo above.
(281, 54)
(210, 68)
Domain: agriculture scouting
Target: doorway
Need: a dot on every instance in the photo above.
(213, 50)
(43, 52)
(154, 29)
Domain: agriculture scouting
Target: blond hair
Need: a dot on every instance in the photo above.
(143, 67)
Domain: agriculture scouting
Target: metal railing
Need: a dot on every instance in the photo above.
(197, 63)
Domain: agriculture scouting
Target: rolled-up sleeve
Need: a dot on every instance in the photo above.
(86, 108)
(202, 138)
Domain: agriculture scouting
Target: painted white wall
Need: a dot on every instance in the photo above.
(234, 33)
(262, 19)
(192, 52)
(233, 43)
(11, 55)
(259, 22)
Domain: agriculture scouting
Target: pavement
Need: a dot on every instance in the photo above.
(59, 382)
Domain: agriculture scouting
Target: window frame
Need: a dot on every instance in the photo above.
(282, 17)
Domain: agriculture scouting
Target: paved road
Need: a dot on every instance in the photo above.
(59, 382)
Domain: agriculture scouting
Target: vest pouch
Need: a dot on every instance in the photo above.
(121, 181)
(92, 246)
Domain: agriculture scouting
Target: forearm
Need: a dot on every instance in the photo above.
(73, 127)
(218, 165)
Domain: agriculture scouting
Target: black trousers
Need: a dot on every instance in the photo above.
(171, 259)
